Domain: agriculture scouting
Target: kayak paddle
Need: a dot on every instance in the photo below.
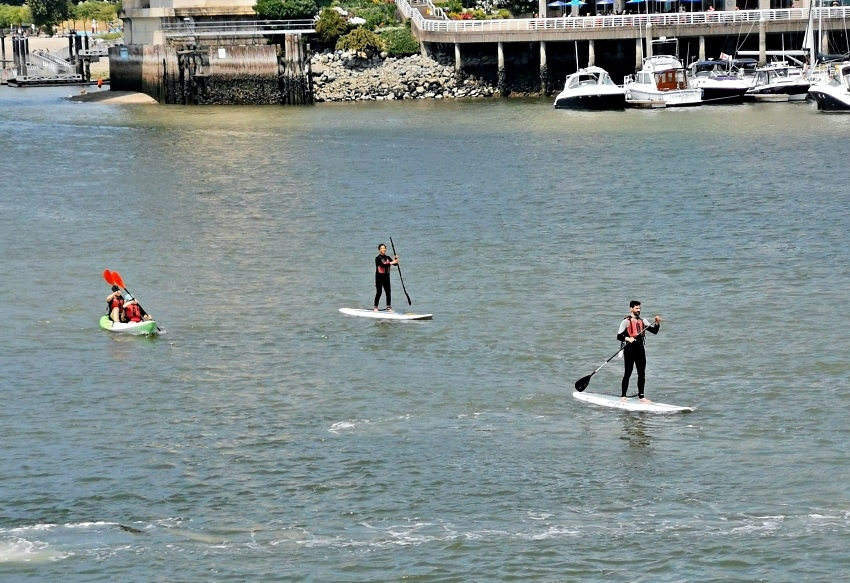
(409, 303)
(114, 278)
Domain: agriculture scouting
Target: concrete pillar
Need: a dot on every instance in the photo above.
(544, 70)
(701, 49)
(824, 42)
(591, 53)
(648, 39)
(502, 74)
(424, 49)
(458, 64)
(542, 8)
(638, 53)
(764, 4)
(762, 39)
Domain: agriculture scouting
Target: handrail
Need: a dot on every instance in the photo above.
(435, 11)
(618, 21)
(237, 27)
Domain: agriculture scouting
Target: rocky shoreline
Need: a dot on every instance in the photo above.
(346, 76)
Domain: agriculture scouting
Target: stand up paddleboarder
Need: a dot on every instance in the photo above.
(632, 333)
(383, 264)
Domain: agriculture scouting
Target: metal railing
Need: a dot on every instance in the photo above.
(237, 28)
(49, 62)
(436, 12)
(619, 21)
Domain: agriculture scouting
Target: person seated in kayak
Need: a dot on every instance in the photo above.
(115, 305)
(133, 312)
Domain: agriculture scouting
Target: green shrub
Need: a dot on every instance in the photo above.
(330, 26)
(285, 9)
(360, 40)
(377, 15)
(400, 42)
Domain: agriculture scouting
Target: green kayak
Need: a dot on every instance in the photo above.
(136, 328)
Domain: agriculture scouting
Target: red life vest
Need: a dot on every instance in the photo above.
(117, 302)
(384, 266)
(133, 313)
(635, 327)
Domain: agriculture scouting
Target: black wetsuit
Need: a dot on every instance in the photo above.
(382, 279)
(634, 353)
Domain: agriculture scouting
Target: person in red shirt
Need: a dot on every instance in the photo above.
(383, 265)
(632, 333)
(115, 305)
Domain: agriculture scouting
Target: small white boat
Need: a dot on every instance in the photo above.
(834, 95)
(662, 78)
(719, 84)
(591, 88)
(776, 79)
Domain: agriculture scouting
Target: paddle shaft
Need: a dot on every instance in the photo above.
(582, 383)
(409, 303)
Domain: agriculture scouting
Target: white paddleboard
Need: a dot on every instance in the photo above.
(384, 315)
(632, 404)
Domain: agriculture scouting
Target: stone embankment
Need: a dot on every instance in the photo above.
(345, 76)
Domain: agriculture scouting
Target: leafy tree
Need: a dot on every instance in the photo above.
(92, 10)
(330, 26)
(47, 13)
(285, 9)
(360, 40)
(11, 16)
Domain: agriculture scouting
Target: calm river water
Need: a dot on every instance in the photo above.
(268, 437)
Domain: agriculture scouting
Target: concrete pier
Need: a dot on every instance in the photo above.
(544, 70)
(502, 74)
(591, 53)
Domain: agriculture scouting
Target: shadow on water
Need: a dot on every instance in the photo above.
(634, 431)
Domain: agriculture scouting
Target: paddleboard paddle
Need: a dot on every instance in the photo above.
(582, 383)
(409, 303)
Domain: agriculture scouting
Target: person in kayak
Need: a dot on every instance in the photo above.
(383, 264)
(115, 305)
(632, 333)
(133, 312)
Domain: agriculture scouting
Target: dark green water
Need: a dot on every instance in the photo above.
(268, 437)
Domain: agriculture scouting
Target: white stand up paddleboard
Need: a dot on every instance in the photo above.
(632, 404)
(384, 315)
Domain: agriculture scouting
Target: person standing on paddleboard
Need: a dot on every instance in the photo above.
(383, 264)
(632, 333)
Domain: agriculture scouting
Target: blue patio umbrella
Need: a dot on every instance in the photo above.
(560, 3)
(598, 2)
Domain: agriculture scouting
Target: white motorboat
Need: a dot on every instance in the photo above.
(718, 82)
(834, 95)
(777, 80)
(661, 79)
(591, 88)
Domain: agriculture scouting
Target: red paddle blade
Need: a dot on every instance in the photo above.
(116, 279)
(107, 275)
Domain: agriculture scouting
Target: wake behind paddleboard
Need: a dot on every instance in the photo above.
(632, 404)
(384, 315)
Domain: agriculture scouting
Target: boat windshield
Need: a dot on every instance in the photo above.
(584, 79)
